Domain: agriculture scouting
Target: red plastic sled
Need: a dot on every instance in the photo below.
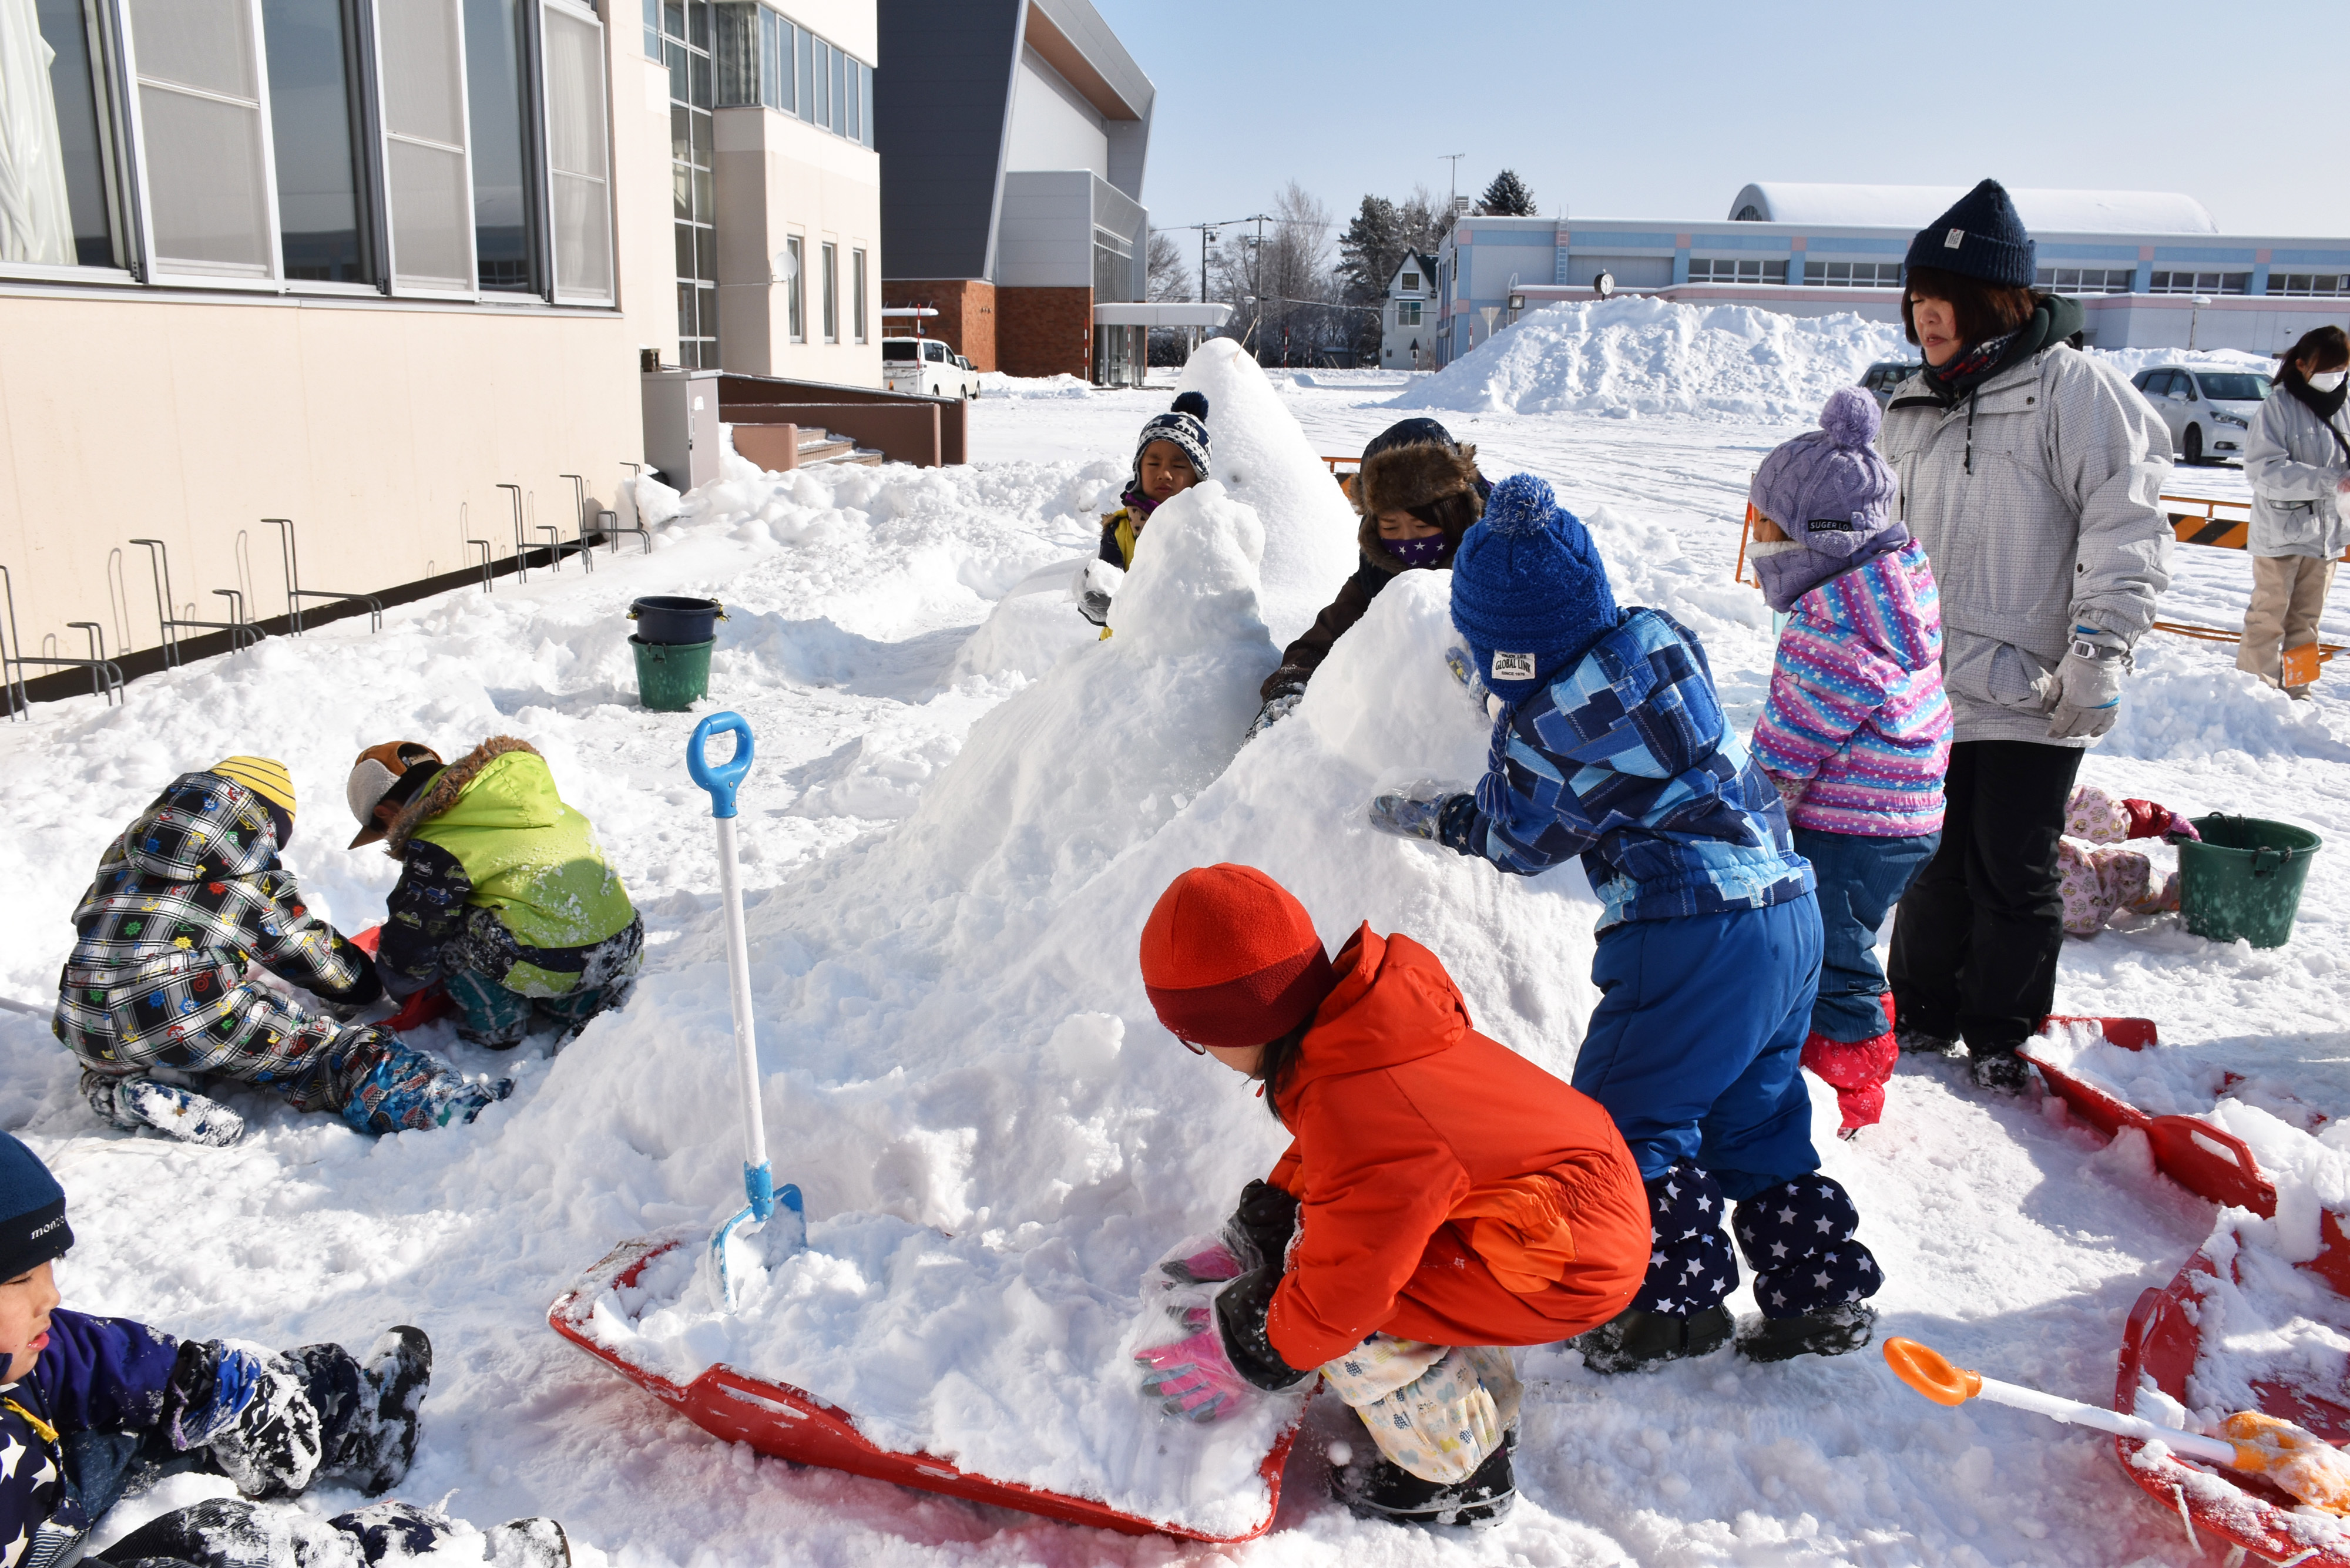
(792, 1424)
(2161, 1342)
(2208, 1161)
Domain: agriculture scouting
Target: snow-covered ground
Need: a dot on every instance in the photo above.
(962, 808)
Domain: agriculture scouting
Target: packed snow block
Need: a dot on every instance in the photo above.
(1627, 358)
(1263, 458)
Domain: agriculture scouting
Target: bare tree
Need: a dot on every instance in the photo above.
(1167, 277)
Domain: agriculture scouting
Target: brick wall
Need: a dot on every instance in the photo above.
(965, 318)
(1044, 331)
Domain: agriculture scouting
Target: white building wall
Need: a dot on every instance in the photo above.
(1052, 127)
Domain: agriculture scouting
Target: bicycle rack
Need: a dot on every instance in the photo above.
(612, 531)
(241, 634)
(579, 518)
(105, 674)
(522, 558)
(554, 531)
(636, 470)
(289, 556)
(464, 528)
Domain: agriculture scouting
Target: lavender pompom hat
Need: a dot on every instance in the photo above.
(1828, 488)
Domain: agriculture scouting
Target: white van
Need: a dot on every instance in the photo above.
(924, 364)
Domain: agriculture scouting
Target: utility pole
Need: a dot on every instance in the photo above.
(1453, 199)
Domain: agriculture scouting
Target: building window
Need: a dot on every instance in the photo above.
(578, 186)
(2202, 283)
(428, 184)
(1410, 283)
(1408, 312)
(2309, 286)
(198, 76)
(686, 29)
(1724, 271)
(67, 213)
(2087, 280)
(796, 287)
(857, 294)
(776, 51)
(1845, 275)
(311, 96)
(831, 293)
(504, 246)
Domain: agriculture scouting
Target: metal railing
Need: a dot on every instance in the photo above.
(289, 556)
(105, 674)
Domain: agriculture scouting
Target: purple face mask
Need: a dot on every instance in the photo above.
(1416, 552)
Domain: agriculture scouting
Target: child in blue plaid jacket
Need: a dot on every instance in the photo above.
(1610, 744)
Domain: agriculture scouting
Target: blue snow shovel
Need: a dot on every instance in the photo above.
(722, 780)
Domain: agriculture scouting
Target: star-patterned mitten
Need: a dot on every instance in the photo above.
(1690, 1265)
(1798, 1240)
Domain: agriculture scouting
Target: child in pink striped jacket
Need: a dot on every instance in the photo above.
(1856, 732)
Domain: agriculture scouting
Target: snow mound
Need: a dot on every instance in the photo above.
(1261, 455)
(996, 384)
(1627, 358)
(2177, 706)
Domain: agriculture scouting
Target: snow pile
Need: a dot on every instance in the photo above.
(1263, 458)
(2178, 703)
(2130, 361)
(1626, 357)
(2192, 1080)
(996, 384)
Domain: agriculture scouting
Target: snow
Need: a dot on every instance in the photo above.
(962, 808)
(1912, 206)
(1636, 358)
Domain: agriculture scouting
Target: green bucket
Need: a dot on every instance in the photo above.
(2245, 879)
(671, 675)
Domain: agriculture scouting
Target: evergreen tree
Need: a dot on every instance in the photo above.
(1370, 249)
(1507, 197)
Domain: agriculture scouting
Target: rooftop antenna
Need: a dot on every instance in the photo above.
(1452, 199)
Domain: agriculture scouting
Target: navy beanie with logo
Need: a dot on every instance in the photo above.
(33, 1229)
(1529, 591)
(1980, 237)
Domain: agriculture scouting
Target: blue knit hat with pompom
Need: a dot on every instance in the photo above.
(1529, 591)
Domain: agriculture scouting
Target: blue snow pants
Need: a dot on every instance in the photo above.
(1695, 1048)
(1861, 878)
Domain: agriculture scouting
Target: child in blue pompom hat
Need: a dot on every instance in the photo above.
(93, 1409)
(1609, 743)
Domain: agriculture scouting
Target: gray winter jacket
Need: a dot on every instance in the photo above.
(2293, 466)
(2035, 497)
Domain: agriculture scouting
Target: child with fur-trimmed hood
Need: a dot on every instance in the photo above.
(1417, 494)
(503, 898)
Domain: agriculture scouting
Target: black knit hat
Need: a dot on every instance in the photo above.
(33, 1229)
(1980, 237)
(1186, 425)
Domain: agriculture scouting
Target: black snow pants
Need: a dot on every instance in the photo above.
(1976, 936)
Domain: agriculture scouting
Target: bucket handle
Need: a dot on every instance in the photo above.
(720, 779)
(2263, 866)
(722, 613)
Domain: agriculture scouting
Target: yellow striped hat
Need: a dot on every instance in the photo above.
(264, 776)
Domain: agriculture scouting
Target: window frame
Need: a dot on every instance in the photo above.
(133, 109)
(856, 288)
(584, 13)
(384, 136)
(830, 252)
(795, 297)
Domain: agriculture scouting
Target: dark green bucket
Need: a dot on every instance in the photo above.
(2245, 879)
(671, 675)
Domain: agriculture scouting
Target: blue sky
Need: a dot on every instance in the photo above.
(1659, 110)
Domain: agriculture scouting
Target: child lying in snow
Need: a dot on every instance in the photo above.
(1857, 731)
(2100, 882)
(1611, 745)
(94, 1408)
(1418, 492)
(1170, 456)
(1443, 1197)
(189, 905)
(504, 896)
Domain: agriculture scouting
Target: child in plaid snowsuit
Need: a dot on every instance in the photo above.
(189, 907)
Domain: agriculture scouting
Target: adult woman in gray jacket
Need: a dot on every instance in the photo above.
(2031, 473)
(2297, 458)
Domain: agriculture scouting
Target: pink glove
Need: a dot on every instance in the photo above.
(1193, 1377)
(1205, 1261)
(1857, 1070)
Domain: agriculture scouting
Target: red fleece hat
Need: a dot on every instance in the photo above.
(1229, 958)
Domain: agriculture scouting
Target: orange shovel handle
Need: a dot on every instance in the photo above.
(1930, 1373)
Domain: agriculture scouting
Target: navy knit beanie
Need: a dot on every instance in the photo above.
(1185, 424)
(1529, 591)
(33, 1228)
(1980, 237)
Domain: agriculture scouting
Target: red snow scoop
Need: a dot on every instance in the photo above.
(2161, 1346)
(421, 1007)
(2207, 1161)
(792, 1424)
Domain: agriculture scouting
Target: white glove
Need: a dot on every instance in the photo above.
(2089, 684)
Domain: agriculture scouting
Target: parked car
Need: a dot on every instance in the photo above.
(927, 366)
(1880, 378)
(2209, 411)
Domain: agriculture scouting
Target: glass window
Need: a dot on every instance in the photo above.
(776, 76)
(64, 214)
(796, 286)
(310, 100)
(839, 96)
(897, 351)
(831, 293)
(856, 103)
(738, 53)
(806, 96)
(503, 211)
(856, 293)
(201, 126)
(577, 183)
(823, 79)
(2235, 387)
(418, 45)
(652, 30)
(865, 73)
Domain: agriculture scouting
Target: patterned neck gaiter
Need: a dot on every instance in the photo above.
(1415, 553)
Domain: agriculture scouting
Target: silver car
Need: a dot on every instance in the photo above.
(1880, 378)
(2208, 411)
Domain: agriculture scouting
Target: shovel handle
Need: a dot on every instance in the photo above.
(720, 779)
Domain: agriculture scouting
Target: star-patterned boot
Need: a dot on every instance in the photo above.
(1811, 1276)
(1677, 1311)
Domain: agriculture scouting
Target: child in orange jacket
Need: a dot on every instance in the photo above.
(1443, 1198)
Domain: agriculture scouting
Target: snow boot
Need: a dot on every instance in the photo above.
(367, 1415)
(2001, 1072)
(408, 1090)
(1918, 1042)
(528, 1543)
(1384, 1490)
(178, 1113)
(1831, 1331)
(1634, 1341)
